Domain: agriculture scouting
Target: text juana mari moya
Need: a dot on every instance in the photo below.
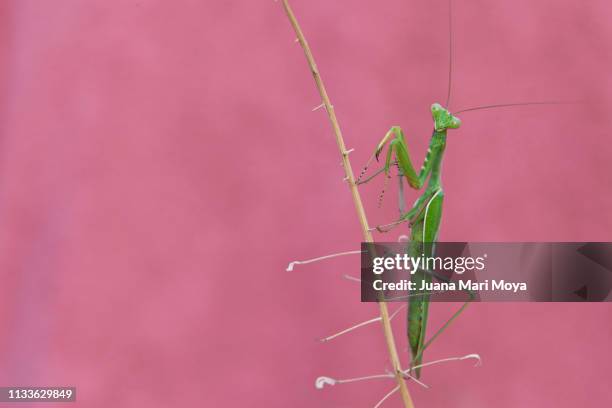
(458, 265)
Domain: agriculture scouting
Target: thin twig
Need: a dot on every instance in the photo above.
(444, 360)
(367, 235)
(390, 393)
(321, 258)
(321, 382)
(361, 324)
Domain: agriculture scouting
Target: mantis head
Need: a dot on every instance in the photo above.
(443, 119)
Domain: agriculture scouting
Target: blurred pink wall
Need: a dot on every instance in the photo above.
(160, 165)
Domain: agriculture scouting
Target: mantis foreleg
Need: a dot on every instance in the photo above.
(399, 148)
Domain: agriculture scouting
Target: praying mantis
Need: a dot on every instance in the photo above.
(425, 215)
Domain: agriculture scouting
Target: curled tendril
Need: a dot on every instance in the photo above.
(321, 382)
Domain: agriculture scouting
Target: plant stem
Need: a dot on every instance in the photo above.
(350, 178)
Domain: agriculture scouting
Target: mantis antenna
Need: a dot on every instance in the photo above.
(450, 76)
(504, 105)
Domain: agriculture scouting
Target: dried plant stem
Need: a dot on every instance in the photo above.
(350, 178)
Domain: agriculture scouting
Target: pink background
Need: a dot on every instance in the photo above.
(160, 165)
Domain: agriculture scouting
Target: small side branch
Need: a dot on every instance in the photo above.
(444, 360)
(321, 258)
(390, 393)
(321, 382)
(358, 325)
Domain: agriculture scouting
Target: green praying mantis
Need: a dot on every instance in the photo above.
(425, 215)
